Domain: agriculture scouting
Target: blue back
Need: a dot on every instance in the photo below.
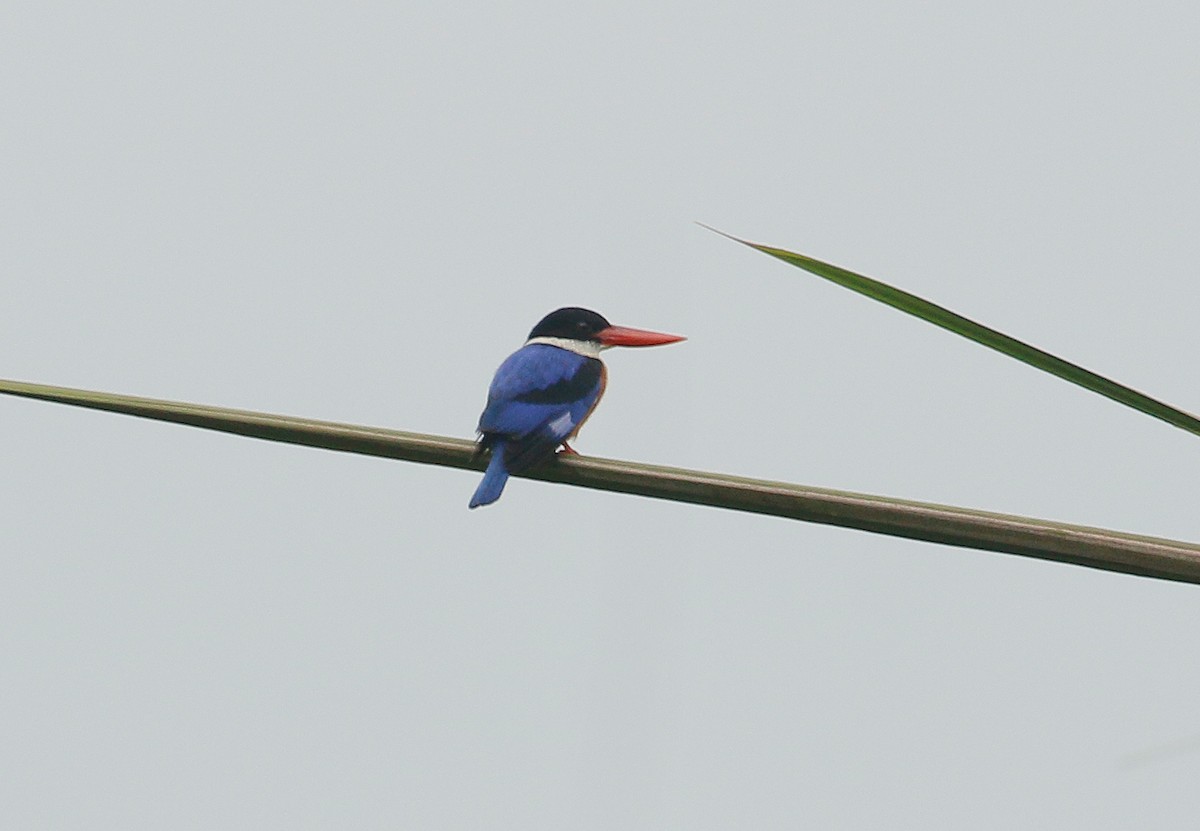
(537, 399)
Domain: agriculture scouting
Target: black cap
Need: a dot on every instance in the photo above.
(572, 323)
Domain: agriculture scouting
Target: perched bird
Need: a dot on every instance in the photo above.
(544, 392)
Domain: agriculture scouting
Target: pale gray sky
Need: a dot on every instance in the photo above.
(356, 211)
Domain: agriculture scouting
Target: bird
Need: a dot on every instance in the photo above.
(543, 393)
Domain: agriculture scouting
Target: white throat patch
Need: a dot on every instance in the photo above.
(586, 348)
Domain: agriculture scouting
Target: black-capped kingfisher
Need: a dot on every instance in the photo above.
(544, 392)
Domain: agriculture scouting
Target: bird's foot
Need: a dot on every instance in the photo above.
(567, 450)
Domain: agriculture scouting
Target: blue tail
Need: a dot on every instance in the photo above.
(492, 486)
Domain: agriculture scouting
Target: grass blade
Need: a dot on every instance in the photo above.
(941, 316)
(1094, 547)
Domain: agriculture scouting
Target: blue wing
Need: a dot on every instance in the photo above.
(539, 397)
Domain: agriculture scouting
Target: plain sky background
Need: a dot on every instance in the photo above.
(354, 211)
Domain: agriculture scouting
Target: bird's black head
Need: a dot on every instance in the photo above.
(572, 323)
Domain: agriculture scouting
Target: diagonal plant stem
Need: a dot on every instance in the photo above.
(1094, 547)
(943, 317)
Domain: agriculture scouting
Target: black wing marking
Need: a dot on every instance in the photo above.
(567, 390)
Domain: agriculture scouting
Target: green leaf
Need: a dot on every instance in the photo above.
(941, 316)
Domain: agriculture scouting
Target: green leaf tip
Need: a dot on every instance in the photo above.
(991, 338)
